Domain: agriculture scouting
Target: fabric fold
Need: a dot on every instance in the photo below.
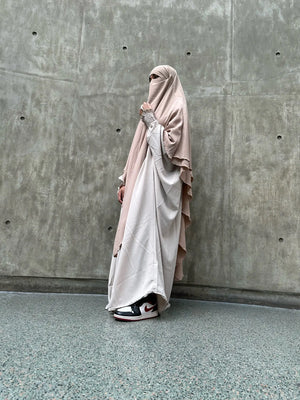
(168, 102)
(146, 261)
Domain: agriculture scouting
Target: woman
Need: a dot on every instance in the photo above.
(156, 189)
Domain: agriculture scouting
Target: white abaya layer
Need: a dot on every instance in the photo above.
(146, 261)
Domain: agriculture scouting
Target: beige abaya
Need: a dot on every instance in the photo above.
(150, 239)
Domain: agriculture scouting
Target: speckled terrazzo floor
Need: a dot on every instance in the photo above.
(56, 346)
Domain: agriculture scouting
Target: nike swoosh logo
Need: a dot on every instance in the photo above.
(149, 309)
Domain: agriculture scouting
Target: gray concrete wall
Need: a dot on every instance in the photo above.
(69, 107)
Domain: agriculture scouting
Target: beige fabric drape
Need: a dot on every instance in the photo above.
(146, 261)
(169, 104)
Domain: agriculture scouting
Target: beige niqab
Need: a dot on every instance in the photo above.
(168, 102)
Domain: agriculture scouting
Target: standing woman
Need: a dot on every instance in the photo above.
(156, 189)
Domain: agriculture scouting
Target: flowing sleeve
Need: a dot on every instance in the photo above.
(173, 132)
(155, 135)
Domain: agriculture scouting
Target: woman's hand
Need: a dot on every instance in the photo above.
(146, 107)
(121, 193)
(147, 114)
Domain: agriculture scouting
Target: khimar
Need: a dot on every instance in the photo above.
(168, 102)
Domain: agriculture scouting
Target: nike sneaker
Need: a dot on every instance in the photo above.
(143, 309)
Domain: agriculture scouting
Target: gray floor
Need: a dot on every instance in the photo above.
(68, 347)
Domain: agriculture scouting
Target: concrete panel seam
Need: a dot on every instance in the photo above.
(81, 40)
(231, 43)
(30, 74)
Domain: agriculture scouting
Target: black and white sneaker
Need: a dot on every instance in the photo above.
(143, 309)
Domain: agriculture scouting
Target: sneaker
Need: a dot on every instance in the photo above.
(143, 309)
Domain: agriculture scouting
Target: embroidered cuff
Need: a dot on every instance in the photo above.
(148, 118)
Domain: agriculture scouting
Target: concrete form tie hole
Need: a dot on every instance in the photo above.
(118, 130)
(109, 228)
(279, 137)
(34, 33)
(22, 118)
(277, 53)
(280, 240)
(7, 222)
(188, 53)
(124, 47)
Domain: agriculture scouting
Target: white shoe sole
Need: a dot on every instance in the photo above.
(137, 317)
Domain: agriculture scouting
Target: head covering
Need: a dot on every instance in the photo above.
(168, 102)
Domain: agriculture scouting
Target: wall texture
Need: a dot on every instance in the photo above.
(73, 74)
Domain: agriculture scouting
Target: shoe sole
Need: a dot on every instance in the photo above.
(136, 318)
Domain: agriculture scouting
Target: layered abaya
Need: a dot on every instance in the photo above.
(150, 239)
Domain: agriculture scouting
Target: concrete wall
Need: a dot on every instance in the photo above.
(73, 74)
